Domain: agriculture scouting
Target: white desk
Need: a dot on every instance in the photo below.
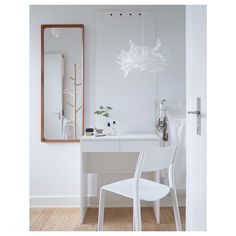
(132, 143)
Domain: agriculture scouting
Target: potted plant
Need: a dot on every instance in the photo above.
(104, 111)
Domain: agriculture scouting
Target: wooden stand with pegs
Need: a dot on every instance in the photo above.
(74, 94)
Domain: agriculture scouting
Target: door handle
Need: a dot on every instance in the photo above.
(198, 113)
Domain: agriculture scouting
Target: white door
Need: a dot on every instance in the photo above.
(53, 97)
(195, 143)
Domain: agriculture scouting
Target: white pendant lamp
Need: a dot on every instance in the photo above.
(142, 58)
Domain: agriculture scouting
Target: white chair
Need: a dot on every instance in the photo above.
(138, 188)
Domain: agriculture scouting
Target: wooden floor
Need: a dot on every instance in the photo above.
(115, 219)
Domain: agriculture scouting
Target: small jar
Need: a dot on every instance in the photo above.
(89, 132)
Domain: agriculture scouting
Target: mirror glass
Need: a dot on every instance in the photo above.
(62, 82)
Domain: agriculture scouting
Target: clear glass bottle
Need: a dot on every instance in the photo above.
(114, 128)
(109, 131)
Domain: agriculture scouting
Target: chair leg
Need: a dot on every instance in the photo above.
(101, 210)
(137, 224)
(176, 210)
(133, 220)
(139, 217)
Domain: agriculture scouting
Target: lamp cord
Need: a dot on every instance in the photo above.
(142, 29)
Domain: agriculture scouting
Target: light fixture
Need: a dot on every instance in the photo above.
(142, 58)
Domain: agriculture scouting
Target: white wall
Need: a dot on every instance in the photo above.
(171, 83)
(171, 29)
(54, 167)
(133, 98)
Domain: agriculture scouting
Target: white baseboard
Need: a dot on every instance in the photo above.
(54, 201)
(111, 201)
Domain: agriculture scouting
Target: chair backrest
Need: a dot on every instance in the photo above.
(153, 159)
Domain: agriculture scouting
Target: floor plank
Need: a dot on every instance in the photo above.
(126, 221)
(42, 218)
(35, 214)
(73, 220)
(115, 219)
(90, 221)
(182, 214)
(148, 219)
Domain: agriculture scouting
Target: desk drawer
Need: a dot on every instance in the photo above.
(100, 146)
(137, 145)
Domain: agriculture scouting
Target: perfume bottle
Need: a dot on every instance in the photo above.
(109, 131)
(114, 128)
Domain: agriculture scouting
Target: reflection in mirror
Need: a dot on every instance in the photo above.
(62, 82)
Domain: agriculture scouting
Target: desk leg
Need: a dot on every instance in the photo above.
(83, 186)
(156, 205)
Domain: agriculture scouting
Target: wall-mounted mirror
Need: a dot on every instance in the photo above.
(62, 108)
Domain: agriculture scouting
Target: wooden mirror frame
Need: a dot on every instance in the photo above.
(43, 27)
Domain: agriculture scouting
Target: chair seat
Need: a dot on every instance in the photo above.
(149, 190)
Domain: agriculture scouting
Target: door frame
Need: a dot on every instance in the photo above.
(195, 166)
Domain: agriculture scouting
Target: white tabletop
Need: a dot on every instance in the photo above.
(121, 137)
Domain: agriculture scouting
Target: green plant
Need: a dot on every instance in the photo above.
(104, 111)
